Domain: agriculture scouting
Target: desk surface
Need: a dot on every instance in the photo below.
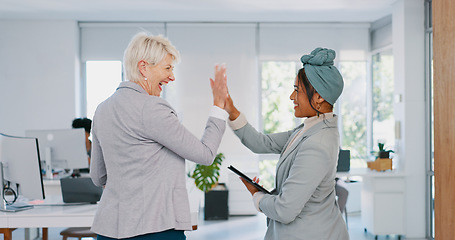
(366, 172)
(50, 216)
(56, 216)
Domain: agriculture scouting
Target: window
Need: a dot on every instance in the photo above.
(352, 111)
(278, 113)
(102, 78)
(383, 126)
(277, 109)
(277, 85)
(430, 119)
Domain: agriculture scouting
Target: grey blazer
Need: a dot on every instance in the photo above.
(303, 204)
(138, 154)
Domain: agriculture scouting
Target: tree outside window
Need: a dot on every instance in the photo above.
(277, 109)
(382, 104)
(353, 111)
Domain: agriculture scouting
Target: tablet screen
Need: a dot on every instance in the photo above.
(259, 187)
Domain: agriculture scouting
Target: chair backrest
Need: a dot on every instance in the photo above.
(344, 161)
(80, 190)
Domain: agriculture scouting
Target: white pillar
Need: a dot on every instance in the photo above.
(409, 109)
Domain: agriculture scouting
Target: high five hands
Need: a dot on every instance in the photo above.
(219, 86)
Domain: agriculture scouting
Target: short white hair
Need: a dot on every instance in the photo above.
(152, 49)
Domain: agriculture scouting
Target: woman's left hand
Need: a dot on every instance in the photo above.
(251, 188)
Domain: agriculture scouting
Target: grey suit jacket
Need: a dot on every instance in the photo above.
(138, 154)
(303, 204)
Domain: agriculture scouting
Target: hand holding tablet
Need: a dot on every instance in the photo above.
(249, 180)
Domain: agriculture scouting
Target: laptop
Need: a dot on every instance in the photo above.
(80, 190)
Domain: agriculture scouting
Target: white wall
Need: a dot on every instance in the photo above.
(289, 41)
(105, 41)
(381, 33)
(38, 74)
(409, 67)
(39, 77)
(52, 95)
(202, 46)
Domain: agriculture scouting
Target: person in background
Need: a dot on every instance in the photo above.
(303, 204)
(87, 125)
(139, 147)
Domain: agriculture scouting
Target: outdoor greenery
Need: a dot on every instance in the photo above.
(383, 98)
(383, 87)
(277, 85)
(267, 170)
(278, 114)
(277, 109)
(353, 111)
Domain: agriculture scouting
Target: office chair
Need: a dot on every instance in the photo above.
(342, 194)
(77, 232)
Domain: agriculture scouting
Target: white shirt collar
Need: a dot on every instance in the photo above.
(311, 121)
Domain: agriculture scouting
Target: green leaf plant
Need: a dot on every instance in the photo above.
(382, 149)
(206, 177)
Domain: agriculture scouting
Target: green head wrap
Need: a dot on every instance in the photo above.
(321, 73)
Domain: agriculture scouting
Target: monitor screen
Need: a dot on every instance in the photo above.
(62, 148)
(344, 161)
(21, 165)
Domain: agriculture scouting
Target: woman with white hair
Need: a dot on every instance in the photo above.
(139, 147)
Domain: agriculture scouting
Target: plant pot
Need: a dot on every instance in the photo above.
(216, 205)
(380, 164)
(384, 154)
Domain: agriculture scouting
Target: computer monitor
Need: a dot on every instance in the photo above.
(61, 148)
(20, 167)
(344, 161)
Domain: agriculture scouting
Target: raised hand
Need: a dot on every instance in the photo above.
(230, 109)
(219, 86)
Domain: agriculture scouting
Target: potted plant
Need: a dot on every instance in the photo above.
(216, 195)
(383, 153)
(383, 161)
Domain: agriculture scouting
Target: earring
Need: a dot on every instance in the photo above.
(145, 79)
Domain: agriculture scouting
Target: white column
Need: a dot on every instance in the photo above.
(409, 108)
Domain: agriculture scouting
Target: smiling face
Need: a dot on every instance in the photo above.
(303, 91)
(299, 96)
(158, 75)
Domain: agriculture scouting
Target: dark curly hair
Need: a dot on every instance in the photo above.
(83, 123)
(309, 89)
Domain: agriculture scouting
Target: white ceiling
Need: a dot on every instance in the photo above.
(199, 10)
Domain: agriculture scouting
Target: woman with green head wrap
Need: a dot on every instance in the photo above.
(302, 205)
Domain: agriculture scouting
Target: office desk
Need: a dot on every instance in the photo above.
(54, 216)
(47, 216)
(382, 201)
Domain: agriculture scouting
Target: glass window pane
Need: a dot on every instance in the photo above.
(431, 220)
(432, 101)
(353, 112)
(383, 92)
(432, 226)
(267, 169)
(103, 77)
(277, 85)
(277, 110)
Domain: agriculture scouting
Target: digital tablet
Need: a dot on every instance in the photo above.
(259, 187)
